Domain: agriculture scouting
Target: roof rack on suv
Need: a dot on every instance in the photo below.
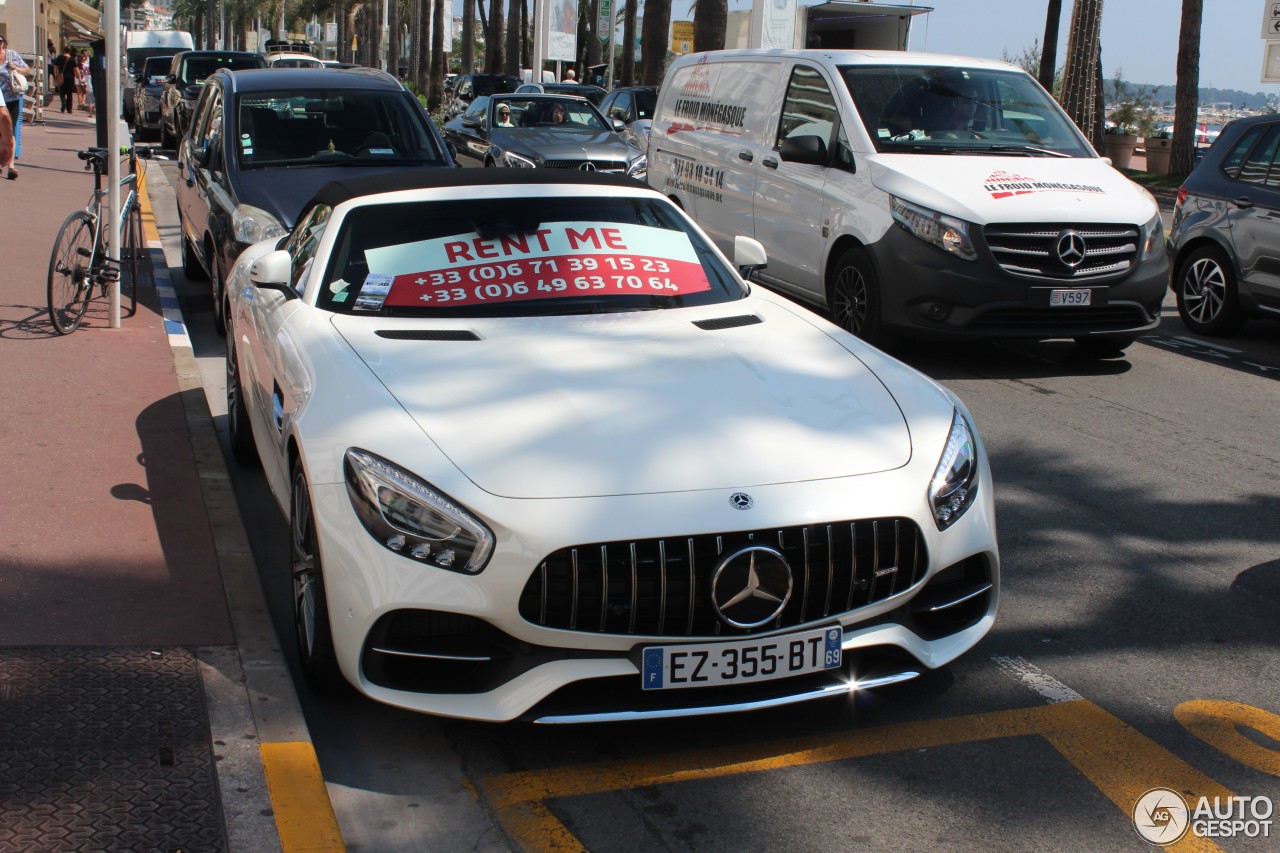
(286, 46)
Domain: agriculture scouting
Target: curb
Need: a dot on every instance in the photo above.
(304, 815)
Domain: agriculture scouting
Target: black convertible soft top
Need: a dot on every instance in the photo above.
(336, 192)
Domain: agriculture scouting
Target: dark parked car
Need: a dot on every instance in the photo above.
(468, 87)
(187, 74)
(551, 131)
(633, 106)
(148, 89)
(263, 142)
(594, 94)
(1225, 240)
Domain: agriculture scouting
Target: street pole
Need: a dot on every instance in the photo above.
(383, 50)
(539, 39)
(112, 25)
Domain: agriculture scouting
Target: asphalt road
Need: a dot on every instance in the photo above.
(1136, 648)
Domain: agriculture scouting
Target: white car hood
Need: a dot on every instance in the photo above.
(637, 403)
(984, 189)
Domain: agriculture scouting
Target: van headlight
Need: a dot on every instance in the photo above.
(407, 516)
(954, 486)
(251, 224)
(945, 232)
(1151, 236)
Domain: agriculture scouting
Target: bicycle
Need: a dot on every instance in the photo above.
(80, 263)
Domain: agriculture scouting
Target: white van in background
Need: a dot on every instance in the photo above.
(141, 45)
(915, 194)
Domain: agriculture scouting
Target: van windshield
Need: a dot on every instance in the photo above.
(948, 110)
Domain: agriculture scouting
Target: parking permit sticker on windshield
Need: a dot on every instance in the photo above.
(561, 259)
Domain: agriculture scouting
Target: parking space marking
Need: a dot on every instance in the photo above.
(149, 230)
(1218, 722)
(1119, 760)
(1037, 679)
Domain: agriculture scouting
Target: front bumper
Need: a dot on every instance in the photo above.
(929, 293)
(444, 643)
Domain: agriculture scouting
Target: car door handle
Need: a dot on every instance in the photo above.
(769, 163)
(1243, 202)
(745, 156)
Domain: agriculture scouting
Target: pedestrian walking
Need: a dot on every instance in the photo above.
(82, 77)
(14, 74)
(64, 79)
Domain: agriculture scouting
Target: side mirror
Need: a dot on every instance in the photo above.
(748, 255)
(804, 149)
(618, 124)
(172, 78)
(272, 270)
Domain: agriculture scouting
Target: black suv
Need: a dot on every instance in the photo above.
(1224, 245)
(468, 87)
(187, 74)
(263, 142)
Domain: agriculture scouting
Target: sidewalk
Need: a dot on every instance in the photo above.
(126, 721)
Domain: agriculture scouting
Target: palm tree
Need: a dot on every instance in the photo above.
(710, 22)
(653, 41)
(435, 89)
(466, 56)
(494, 55)
(628, 43)
(1182, 155)
(1081, 78)
(1049, 54)
(514, 32)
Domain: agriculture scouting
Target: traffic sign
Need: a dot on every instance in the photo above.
(604, 21)
(1271, 62)
(1271, 19)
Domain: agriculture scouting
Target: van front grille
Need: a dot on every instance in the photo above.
(1046, 251)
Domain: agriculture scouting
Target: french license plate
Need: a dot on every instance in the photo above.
(741, 661)
(1069, 297)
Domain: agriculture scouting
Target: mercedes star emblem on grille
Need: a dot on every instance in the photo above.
(588, 166)
(751, 586)
(741, 500)
(1071, 248)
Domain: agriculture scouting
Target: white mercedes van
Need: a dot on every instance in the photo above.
(916, 194)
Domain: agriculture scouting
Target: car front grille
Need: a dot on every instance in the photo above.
(596, 165)
(1110, 251)
(662, 587)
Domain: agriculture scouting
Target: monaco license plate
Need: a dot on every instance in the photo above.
(1069, 297)
(741, 661)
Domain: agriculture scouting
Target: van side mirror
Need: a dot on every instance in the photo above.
(272, 270)
(748, 255)
(804, 149)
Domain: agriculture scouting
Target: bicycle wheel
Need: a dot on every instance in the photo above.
(130, 259)
(70, 272)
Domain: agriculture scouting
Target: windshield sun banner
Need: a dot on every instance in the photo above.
(557, 260)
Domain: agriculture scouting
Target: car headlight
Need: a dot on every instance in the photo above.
(1151, 236)
(516, 161)
(639, 167)
(407, 516)
(945, 232)
(250, 224)
(954, 486)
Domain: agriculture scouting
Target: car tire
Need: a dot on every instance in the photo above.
(191, 267)
(853, 296)
(310, 605)
(219, 297)
(1207, 294)
(167, 139)
(239, 427)
(1104, 346)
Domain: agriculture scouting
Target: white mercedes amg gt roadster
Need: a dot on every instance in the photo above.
(547, 455)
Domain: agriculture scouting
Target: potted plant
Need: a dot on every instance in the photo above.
(1118, 142)
(1158, 144)
(1132, 111)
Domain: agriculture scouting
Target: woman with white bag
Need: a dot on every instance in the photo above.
(14, 72)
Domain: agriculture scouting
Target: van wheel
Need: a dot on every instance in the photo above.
(1208, 300)
(854, 297)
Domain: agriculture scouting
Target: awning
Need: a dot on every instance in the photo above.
(80, 21)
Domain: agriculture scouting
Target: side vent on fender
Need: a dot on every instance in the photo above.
(727, 322)
(427, 334)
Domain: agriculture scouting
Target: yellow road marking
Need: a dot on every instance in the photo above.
(1215, 722)
(149, 230)
(304, 815)
(1119, 760)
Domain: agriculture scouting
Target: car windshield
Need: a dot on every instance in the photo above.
(561, 113)
(196, 68)
(333, 127)
(947, 110)
(510, 257)
(157, 68)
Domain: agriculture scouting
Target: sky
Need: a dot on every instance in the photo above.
(1139, 37)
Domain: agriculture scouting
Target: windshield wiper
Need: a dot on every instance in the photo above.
(1029, 150)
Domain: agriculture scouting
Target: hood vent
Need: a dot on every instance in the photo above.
(727, 322)
(427, 334)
